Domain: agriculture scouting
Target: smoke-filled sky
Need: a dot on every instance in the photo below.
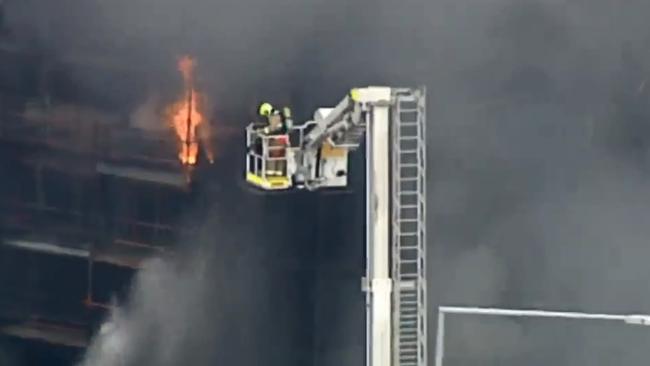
(538, 135)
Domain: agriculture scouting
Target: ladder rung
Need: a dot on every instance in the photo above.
(413, 271)
(410, 311)
(409, 165)
(405, 270)
(410, 328)
(413, 292)
(412, 298)
(408, 192)
(408, 332)
(408, 352)
(408, 247)
(411, 360)
(408, 124)
(402, 302)
(409, 138)
(409, 179)
(414, 329)
(408, 361)
(408, 275)
(408, 261)
(408, 220)
(410, 338)
(409, 151)
(410, 301)
(408, 344)
(409, 206)
(407, 309)
(411, 333)
(408, 316)
(406, 98)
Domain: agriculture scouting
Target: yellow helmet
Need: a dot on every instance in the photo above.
(265, 109)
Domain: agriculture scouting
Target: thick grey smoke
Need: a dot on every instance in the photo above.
(546, 166)
(538, 124)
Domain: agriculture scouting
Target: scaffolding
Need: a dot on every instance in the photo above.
(66, 168)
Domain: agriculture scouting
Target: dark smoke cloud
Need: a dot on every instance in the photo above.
(537, 137)
(6, 357)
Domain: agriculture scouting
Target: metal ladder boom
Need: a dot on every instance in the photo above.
(409, 336)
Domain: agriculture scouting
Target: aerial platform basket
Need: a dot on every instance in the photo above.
(266, 160)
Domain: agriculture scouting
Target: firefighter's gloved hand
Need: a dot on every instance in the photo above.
(287, 112)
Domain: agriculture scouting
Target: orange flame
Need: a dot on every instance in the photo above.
(186, 116)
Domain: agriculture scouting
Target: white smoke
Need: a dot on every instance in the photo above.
(149, 116)
(165, 305)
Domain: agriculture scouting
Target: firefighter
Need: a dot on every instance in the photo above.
(276, 132)
(274, 119)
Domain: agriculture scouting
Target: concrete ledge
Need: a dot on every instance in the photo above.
(175, 179)
(59, 334)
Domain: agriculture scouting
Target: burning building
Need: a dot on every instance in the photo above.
(89, 199)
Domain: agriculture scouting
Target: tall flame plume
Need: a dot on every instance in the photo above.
(186, 116)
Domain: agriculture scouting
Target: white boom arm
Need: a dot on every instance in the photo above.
(341, 130)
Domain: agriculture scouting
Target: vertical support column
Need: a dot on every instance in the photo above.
(379, 345)
(440, 338)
